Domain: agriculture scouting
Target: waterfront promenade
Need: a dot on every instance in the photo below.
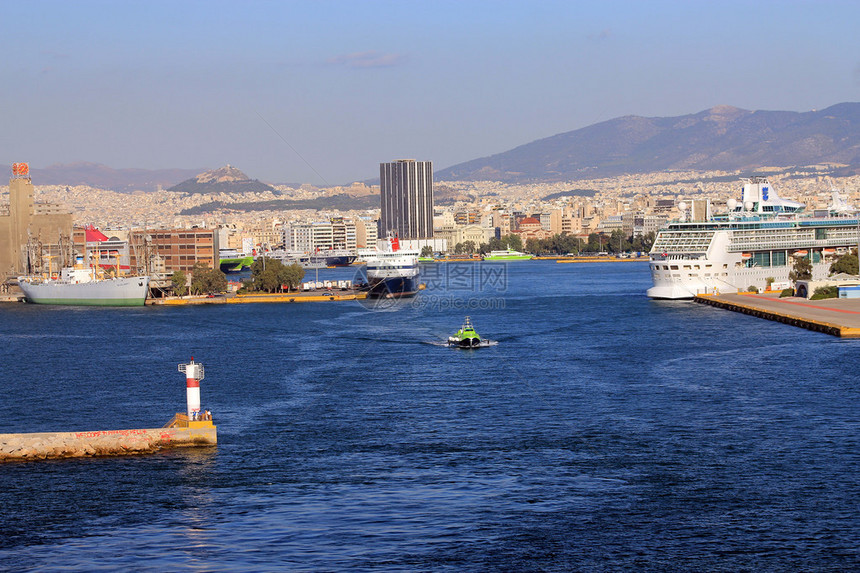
(839, 317)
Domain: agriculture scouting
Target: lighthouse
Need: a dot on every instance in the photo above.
(193, 376)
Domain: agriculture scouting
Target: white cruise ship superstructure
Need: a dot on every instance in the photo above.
(757, 239)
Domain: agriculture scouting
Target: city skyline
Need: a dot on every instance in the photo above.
(306, 91)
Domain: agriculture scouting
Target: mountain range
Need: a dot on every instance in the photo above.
(104, 177)
(721, 138)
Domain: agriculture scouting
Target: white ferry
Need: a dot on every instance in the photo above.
(392, 272)
(756, 240)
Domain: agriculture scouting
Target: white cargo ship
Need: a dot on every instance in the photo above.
(757, 239)
(79, 285)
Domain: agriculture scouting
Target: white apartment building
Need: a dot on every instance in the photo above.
(310, 237)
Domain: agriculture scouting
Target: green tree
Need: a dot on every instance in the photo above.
(512, 241)
(495, 244)
(469, 247)
(648, 241)
(802, 269)
(292, 275)
(426, 251)
(642, 243)
(179, 281)
(596, 242)
(269, 275)
(205, 279)
(845, 264)
(617, 242)
(533, 246)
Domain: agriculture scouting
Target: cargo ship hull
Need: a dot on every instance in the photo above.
(123, 291)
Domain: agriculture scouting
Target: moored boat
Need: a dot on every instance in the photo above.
(85, 287)
(507, 255)
(392, 272)
(753, 244)
(232, 261)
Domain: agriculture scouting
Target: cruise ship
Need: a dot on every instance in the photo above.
(392, 272)
(755, 242)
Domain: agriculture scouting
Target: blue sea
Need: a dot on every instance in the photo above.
(604, 432)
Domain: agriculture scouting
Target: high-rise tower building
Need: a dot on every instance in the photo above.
(406, 187)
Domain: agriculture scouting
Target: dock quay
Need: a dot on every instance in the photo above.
(602, 259)
(189, 429)
(261, 298)
(834, 316)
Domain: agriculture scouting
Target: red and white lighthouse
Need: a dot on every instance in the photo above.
(193, 376)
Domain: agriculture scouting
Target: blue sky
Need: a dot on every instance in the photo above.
(322, 92)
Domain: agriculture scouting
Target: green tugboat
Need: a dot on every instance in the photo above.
(466, 337)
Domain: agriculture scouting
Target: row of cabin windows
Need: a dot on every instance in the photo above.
(686, 267)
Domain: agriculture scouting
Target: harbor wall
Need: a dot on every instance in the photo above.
(56, 445)
(798, 315)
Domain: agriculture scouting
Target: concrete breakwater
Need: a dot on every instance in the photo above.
(55, 445)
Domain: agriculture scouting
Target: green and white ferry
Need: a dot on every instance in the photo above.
(507, 255)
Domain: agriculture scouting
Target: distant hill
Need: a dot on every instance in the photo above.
(227, 179)
(341, 201)
(104, 177)
(723, 137)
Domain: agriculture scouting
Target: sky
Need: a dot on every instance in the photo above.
(321, 92)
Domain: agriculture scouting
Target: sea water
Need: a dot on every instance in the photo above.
(605, 431)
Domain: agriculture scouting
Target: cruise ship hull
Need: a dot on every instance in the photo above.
(123, 291)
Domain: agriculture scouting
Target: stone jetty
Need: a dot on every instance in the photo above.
(192, 428)
(55, 445)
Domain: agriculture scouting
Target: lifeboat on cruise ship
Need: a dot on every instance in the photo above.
(799, 253)
(746, 256)
(829, 251)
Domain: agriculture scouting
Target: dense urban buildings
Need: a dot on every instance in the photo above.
(163, 231)
(406, 189)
